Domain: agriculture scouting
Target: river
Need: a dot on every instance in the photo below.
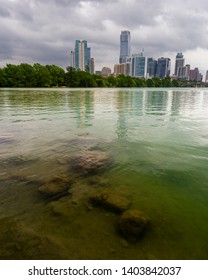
(157, 140)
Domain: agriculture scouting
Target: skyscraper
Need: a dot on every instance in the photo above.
(139, 65)
(81, 54)
(206, 78)
(72, 59)
(88, 56)
(125, 46)
(163, 67)
(183, 72)
(151, 67)
(92, 65)
(179, 62)
(81, 57)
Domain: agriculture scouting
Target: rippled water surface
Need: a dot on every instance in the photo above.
(157, 142)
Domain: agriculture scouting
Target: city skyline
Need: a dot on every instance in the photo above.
(44, 31)
(135, 65)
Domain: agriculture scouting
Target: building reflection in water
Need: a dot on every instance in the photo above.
(82, 104)
(133, 106)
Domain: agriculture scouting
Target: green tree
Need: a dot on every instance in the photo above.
(100, 82)
(157, 82)
(140, 82)
(130, 82)
(2, 78)
(43, 76)
(86, 79)
(166, 82)
(150, 83)
(71, 77)
(26, 75)
(11, 75)
(57, 75)
(121, 81)
(111, 81)
(175, 83)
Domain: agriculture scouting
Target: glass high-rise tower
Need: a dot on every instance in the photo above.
(139, 65)
(81, 54)
(163, 68)
(125, 46)
(81, 57)
(179, 62)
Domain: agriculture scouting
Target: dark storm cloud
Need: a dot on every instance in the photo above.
(44, 31)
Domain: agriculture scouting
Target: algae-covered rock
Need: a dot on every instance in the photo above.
(132, 224)
(110, 200)
(57, 187)
(90, 162)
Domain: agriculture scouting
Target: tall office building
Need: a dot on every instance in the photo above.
(72, 59)
(179, 62)
(195, 75)
(88, 56)
(125, 46)
(206, 77)
(151, 67)
(129, 68)
(188, 67)
(139, 65)
(184, 72)
(120, 69)
(92, 65)
(81, 54)
(163, 67)
(81, 57)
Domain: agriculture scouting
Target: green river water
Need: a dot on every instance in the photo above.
(158, 142)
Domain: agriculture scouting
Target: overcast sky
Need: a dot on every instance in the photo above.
(44, 31)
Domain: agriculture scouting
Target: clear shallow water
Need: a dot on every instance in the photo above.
(158, 140)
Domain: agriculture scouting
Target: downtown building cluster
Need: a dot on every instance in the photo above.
(134, 65)
(138, 65)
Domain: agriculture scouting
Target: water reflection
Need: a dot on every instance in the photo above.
(82, 104)
(124, 105)
(156, 102)
(136, 102)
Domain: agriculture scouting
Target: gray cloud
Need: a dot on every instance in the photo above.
(44, 31)
(4, 12)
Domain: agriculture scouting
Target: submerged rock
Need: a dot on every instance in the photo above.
(57, 187)
(110, 200)
(132, 224)
(90, 162)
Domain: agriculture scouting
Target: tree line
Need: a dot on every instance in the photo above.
(25, 75)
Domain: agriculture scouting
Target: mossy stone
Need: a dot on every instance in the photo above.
(110, 200)
(132, 224)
